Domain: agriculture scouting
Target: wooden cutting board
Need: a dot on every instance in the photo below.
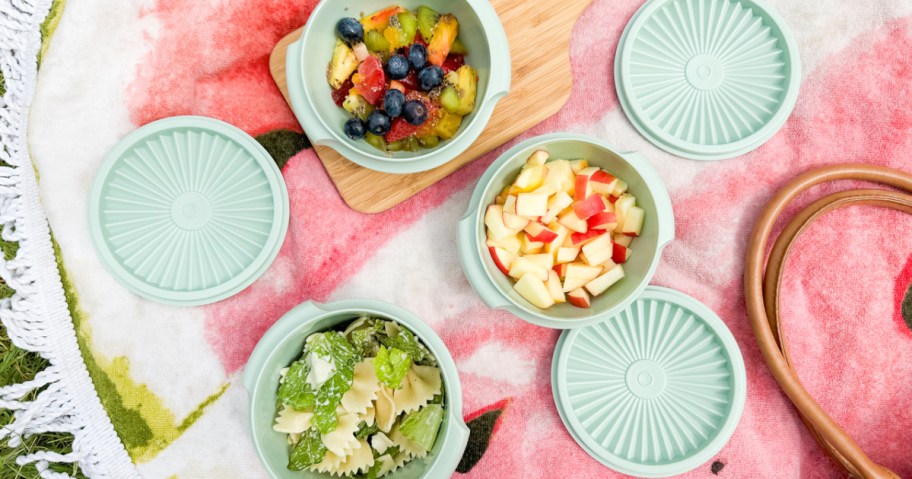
(539, 34)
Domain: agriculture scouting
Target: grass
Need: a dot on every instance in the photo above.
(18, 365)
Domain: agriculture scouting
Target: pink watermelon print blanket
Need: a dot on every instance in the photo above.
(169, 378)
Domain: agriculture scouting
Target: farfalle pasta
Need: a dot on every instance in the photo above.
(360, 401)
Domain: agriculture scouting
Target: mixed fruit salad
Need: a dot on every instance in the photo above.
(361, 401)
(562, 230)
(402, 76)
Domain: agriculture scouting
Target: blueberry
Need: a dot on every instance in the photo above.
(415, 112)
(417, 56)
(350, 30)
(430, 77)
(397, 67)
(393, 101)
(379, 123)
(355, 129)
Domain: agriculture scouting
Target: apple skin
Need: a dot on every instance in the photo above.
(582, 187)
(540, 233)
(619, 255)
(560, 269)
(579, 298)
(499, 261)
(580, 238)
(589, 207)
(603, 221)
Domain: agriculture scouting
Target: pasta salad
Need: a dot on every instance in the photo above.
(361, 402)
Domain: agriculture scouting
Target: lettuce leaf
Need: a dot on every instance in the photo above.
(308, 451)
(299, 393)
(391, 366)
(422, 425)
(364, 430)
(295, 391)
(404, 340)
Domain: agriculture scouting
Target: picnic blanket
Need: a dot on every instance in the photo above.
(169, 378)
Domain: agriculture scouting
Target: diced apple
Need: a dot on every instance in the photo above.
(539, 157)
(545, 261)
(619, 188)
(556, 203)
(589, 207)
(633, 221)
(502, 258)
(539, 233)
(599, 250)
(509, 205)
(603, 282)
(578, 165)
(602, 182)
(602, 221)
(578, 274)
(573, 222)
(514, 222)
(530, 178)
(579, 298)
(560, 269)
(533, 289)
(567, 255)
(522, 266)
(623, 240)
(494, 221)
(624, 202)
(579, 239)
(531, 204)
(513, 244)
(529, 246)
(555, 288)
(581, 188)
(620, 254)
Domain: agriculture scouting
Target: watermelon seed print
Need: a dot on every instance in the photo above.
(283, 144)
(717, 467)
(482, 426)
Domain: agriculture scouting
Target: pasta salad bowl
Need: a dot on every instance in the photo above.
(322, 401)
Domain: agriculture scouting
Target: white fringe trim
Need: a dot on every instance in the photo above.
(36, 317)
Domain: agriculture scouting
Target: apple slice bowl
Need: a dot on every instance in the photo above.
(497, 289)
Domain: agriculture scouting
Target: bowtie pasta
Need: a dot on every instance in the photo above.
(360, 402)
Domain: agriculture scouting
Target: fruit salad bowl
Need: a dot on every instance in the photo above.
(283, 343)
(311, 95)
(497, 289)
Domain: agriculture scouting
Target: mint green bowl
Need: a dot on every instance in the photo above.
(496, 289)
(283, 343)
(489, 52)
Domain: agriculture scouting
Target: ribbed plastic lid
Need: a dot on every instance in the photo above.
(707, 79)
(654, 391)
(188, 211)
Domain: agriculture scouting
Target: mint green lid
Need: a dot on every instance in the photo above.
(188, 210)
(707, 79)
(654, 391)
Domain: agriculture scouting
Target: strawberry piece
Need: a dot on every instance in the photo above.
(372, 84)
(453, 62)
(339, 95)
(420, 39)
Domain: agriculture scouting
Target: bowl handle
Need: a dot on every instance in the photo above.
(659, 195)
(279, 330)
(473, 268)
(316, 132)
(456, 440)
(502, 73)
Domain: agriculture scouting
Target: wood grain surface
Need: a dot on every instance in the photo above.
(539, 35)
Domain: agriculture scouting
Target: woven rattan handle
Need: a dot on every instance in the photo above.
(761, 286)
